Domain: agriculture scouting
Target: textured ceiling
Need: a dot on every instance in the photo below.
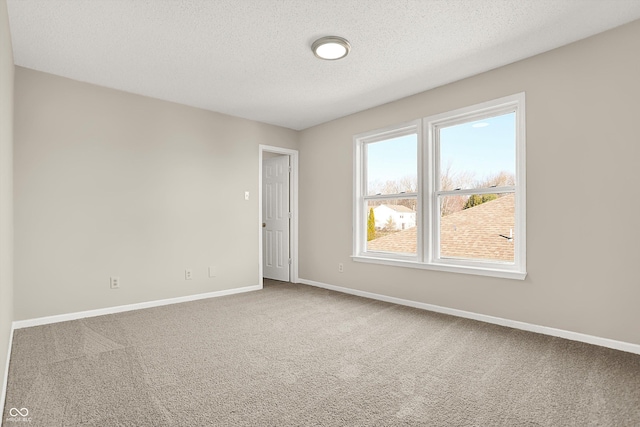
(252, 58)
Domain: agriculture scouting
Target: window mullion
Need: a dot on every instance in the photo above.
(391, 196)
(472, 191)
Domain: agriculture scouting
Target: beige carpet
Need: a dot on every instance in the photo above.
(293, 355)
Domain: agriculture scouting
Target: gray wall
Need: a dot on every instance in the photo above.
(6, 184)
(582, 212)
(114, 184)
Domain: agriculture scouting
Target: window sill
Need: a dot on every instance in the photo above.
(492, 272)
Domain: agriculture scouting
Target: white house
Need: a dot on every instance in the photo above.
(402, 216)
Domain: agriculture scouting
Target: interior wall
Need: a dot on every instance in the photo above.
(6, 186)
(582, 106)
(109, 183)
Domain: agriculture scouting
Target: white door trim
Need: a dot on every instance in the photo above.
(293, 235)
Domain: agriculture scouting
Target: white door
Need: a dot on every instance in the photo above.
(275, 218)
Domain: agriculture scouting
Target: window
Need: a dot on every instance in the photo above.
(389, 191)
(446, 192)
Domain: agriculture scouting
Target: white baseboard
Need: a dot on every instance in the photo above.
(6, 375)
(18, 324)
(574, 336)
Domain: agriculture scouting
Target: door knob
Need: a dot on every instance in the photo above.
(264, 224)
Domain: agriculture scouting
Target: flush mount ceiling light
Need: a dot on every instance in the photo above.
(331, 48)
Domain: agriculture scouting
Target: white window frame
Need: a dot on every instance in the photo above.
(360, 187)
(428, 218)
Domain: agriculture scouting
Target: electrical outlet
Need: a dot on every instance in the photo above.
(246, 195)
(212, 272)
(188, 274)
(340, 267)
(114, 282)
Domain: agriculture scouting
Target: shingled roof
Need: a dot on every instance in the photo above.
(460, 235)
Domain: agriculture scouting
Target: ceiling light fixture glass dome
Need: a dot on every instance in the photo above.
(331, 48)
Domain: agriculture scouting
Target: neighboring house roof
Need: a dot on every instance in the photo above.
(398, 208)
(405, 241)
(460, 235)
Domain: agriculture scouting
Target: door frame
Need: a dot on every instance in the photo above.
(293, 195)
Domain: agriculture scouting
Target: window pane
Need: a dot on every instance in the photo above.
(482, 230)
(391, 226)
(478, 154)
(392, 165)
